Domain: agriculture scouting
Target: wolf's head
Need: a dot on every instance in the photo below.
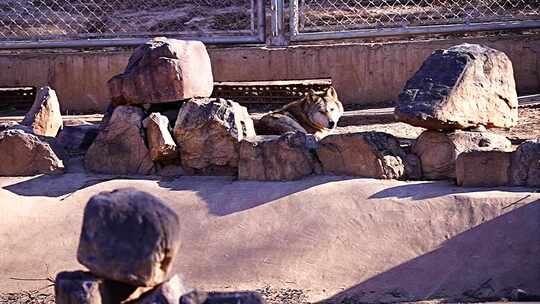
(323, 108)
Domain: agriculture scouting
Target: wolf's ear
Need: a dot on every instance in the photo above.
(331, 92)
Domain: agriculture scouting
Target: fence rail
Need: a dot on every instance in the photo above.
(73, 23)
(327, 19)
(125, 21)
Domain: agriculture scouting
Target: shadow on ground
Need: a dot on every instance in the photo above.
(432, 189)
(62, 185)
(231, 196)
(481, 264)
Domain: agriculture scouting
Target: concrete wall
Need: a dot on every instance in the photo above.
(364, 73)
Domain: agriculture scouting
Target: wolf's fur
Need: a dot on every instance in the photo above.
(317, 113)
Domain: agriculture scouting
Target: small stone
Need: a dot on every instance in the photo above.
(244, 297)
(209, 131)
(164, 70)
(120, 146)
(25, 154)
(276, 158)
(168, 292)
(483, 168)
(464, 86)
(366, 154)
(80, 287)
(526, 164)
(160, 140)
(44, 116)
(129, 236)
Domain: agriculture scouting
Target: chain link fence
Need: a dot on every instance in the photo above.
(30, 20)
(311, 16)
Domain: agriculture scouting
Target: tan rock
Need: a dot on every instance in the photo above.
(120, 146)
(275, 158)
(129, 236)
(366, 154)
(25, 154)
(208, 133)
(44, 117)
(164, 70)
(160, 140)
(526, 164)
(438, 151)
(464, 86)
(483, 168)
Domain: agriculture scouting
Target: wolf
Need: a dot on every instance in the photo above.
(317, 113)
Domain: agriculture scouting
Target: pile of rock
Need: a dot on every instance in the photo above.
(456, 94)
(129, 242)
(29, 148)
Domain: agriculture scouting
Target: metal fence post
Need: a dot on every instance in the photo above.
(277, 36)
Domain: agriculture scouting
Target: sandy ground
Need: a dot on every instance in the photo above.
(310, 240)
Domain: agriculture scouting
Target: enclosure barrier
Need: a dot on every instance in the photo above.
(79, 23)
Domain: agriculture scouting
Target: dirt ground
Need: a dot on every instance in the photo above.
(528, 126)
(335, 239)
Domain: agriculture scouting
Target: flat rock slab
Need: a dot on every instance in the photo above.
(483, 168)
(129, 236)
(164, 70)
(208, 132)
(271, 157)
(44, 117)
(25, 154)
(120, 146)
(366, 154)
(438, 151)
(464, 86)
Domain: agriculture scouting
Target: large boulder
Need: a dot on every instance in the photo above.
(120, 146)
(526, 164)
(160, 140)
(25, 154)
(438, 151)
(164, 70)
(464, 86)
(129, 236)
(80, 287)
(483, 168)
(276, 158)
(209, 131)
(44, 117)
(366, 154)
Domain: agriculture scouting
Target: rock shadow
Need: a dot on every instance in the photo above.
(484, 263)
(61, 185)
(432, 189)
(224, 198)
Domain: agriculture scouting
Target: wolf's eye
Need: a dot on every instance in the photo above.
(332, 110)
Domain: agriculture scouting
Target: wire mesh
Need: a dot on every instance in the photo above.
(65, 19)
(346, 15)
